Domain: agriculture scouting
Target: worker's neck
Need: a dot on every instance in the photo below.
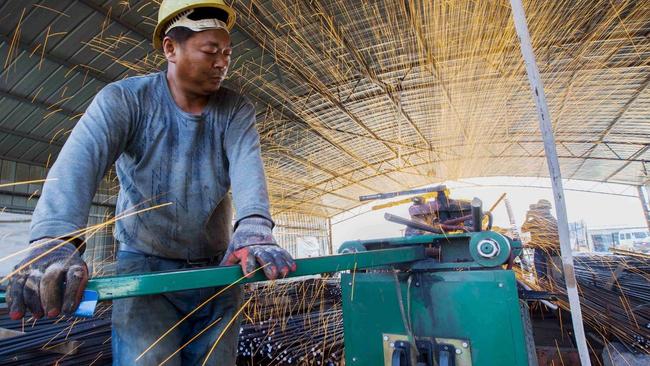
(186, 100)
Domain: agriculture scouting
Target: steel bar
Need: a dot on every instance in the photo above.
(550, 150)
(437, 229)
(379, 196)
(411, 223)
(116, 287)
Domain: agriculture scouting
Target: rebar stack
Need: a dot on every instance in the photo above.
(615, 295)
(293, 323)
(90, 341)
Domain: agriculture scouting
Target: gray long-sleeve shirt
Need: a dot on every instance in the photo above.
(162, 155)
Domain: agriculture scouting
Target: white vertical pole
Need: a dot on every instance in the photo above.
(644, 203)
(511, 216)
(330, 246)
(556, 178)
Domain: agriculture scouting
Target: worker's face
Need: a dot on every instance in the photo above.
(201, 62)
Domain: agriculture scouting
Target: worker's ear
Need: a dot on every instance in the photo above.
(170, 48)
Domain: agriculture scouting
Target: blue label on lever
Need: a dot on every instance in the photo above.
(88, 304)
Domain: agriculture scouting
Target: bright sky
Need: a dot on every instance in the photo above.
(615, 206)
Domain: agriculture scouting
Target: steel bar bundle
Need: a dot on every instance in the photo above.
(293, 323)
(87, 341)
(615, 295)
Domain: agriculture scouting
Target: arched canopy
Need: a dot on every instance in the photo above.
(362, 97)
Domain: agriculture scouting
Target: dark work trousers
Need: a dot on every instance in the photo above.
(139, 321)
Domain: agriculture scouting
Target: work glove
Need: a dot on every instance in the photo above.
(253, 243)
(52, 280)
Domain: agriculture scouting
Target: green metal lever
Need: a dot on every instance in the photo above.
(116, 287)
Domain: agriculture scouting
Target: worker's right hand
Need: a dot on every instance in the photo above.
(50, 280)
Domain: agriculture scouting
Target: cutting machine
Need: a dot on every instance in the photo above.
(442, 298)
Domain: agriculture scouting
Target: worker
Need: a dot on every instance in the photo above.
(179, 141)
(544, 238)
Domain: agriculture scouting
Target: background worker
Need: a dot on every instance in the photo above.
(179, 142)
(544, 238)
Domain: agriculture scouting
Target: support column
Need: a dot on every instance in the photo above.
(643, 196)
(330, 245)
(546, 128)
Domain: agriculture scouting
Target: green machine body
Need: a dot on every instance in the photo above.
(458, 307)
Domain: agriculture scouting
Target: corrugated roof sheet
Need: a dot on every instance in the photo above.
(356, 97)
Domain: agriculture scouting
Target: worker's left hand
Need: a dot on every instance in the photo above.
(253, 243)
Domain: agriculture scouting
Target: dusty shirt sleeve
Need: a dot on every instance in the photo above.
(245, 168)
(95, 143)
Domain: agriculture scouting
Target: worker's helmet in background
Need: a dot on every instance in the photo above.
(542, 206)
(169, 9)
